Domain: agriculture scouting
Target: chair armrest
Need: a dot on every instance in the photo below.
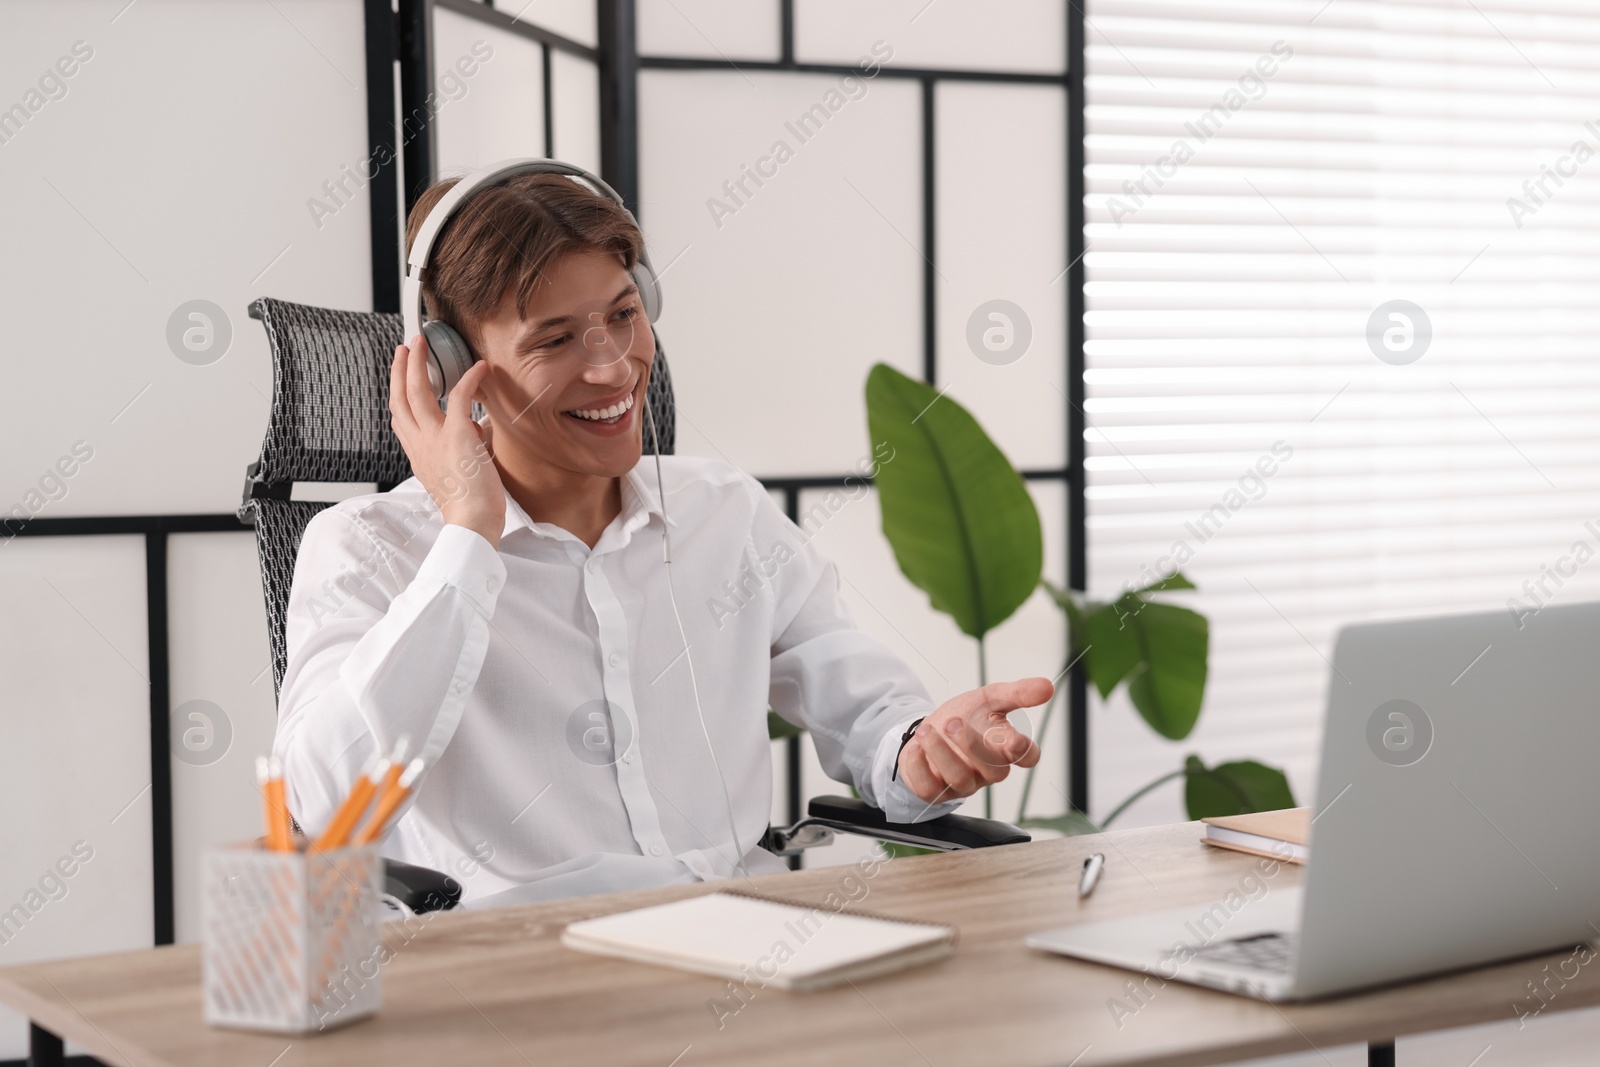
(420, 888)
(946, 833)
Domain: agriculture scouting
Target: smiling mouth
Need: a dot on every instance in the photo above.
(606, 415)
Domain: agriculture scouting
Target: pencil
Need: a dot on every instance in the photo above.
(397, 765)
(269, 773)
(392, 798)
(344, 820)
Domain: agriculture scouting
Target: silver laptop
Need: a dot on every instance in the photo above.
(1454, 824)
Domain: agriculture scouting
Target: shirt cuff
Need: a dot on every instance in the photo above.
(465, 559)
(900, 804)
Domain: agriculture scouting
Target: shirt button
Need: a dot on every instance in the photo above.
(614, 659)
(492, 584)
(627, 757)
(656, 850)
(593, 565)
(460, 687)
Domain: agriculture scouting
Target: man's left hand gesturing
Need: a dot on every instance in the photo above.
(968, 742)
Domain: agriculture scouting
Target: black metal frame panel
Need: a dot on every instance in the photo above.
(1077, 517)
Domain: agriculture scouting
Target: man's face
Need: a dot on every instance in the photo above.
(566, 386)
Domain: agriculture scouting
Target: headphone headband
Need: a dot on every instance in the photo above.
(449, 356)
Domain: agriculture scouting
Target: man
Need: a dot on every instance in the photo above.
(508, 609)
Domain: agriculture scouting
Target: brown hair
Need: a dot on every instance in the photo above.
(508, 235)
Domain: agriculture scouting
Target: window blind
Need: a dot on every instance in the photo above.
(1341, 321)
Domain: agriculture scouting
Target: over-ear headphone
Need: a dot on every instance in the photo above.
(449, 355)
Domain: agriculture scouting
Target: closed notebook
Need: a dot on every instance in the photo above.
(790, 946)
(1281, 835)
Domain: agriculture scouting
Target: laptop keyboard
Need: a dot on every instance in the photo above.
(1262, 952)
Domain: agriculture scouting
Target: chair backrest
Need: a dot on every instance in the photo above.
(330, 423)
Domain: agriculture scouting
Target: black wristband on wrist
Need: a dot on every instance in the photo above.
(905, 739)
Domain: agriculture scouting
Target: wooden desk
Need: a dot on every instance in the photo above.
(497, 988)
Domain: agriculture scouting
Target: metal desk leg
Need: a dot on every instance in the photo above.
(44, 1048)
(1380, 1055)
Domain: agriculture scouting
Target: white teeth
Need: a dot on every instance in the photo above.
(615, 411)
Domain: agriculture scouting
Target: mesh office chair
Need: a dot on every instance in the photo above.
(330, 423)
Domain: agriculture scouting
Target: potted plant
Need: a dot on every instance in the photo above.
(964, 530)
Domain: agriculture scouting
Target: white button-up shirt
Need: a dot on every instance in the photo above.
(548, 689)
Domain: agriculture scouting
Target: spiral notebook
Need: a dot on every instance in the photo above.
(788, 945)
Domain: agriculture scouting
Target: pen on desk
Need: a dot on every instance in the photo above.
(344, 820)
(392, 798)
(1091, 874)
(269, 774)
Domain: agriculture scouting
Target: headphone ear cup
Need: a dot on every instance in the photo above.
(649, 290)
(449, 357)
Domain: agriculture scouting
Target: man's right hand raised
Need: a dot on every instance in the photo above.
(449, 453)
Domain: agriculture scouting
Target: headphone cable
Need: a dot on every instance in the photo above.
(694, 685)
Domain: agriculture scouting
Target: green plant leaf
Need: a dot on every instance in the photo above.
(1073, 824)
(957, 514)
(1175, 580)
(778, 727)
(1237, 788)
(1169, 687)
(1114, 649)
(1075, 606)
(1161, 653)
(1065, 598)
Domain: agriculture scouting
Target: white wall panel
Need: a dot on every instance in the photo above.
(1000, 234)
(887, 606)
(1013, 35)
(777, 305)
(572, 19)
(709, 29)
(75, 765)
(183, 163)
(220, 671)
(491, 84)
(575, 110)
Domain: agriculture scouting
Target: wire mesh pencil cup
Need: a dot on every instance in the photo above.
(292, 942)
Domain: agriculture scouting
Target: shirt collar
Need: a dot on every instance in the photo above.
(516, 518)
(639, 502)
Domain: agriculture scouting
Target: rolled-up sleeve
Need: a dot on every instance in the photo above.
(854, 695)
(376, 653)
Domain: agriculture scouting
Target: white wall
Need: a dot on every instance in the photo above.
(223, 711)
(774, 314)
(75, 766)
(735, 29)
(988, 35)
(494, 84)
(176, 167)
